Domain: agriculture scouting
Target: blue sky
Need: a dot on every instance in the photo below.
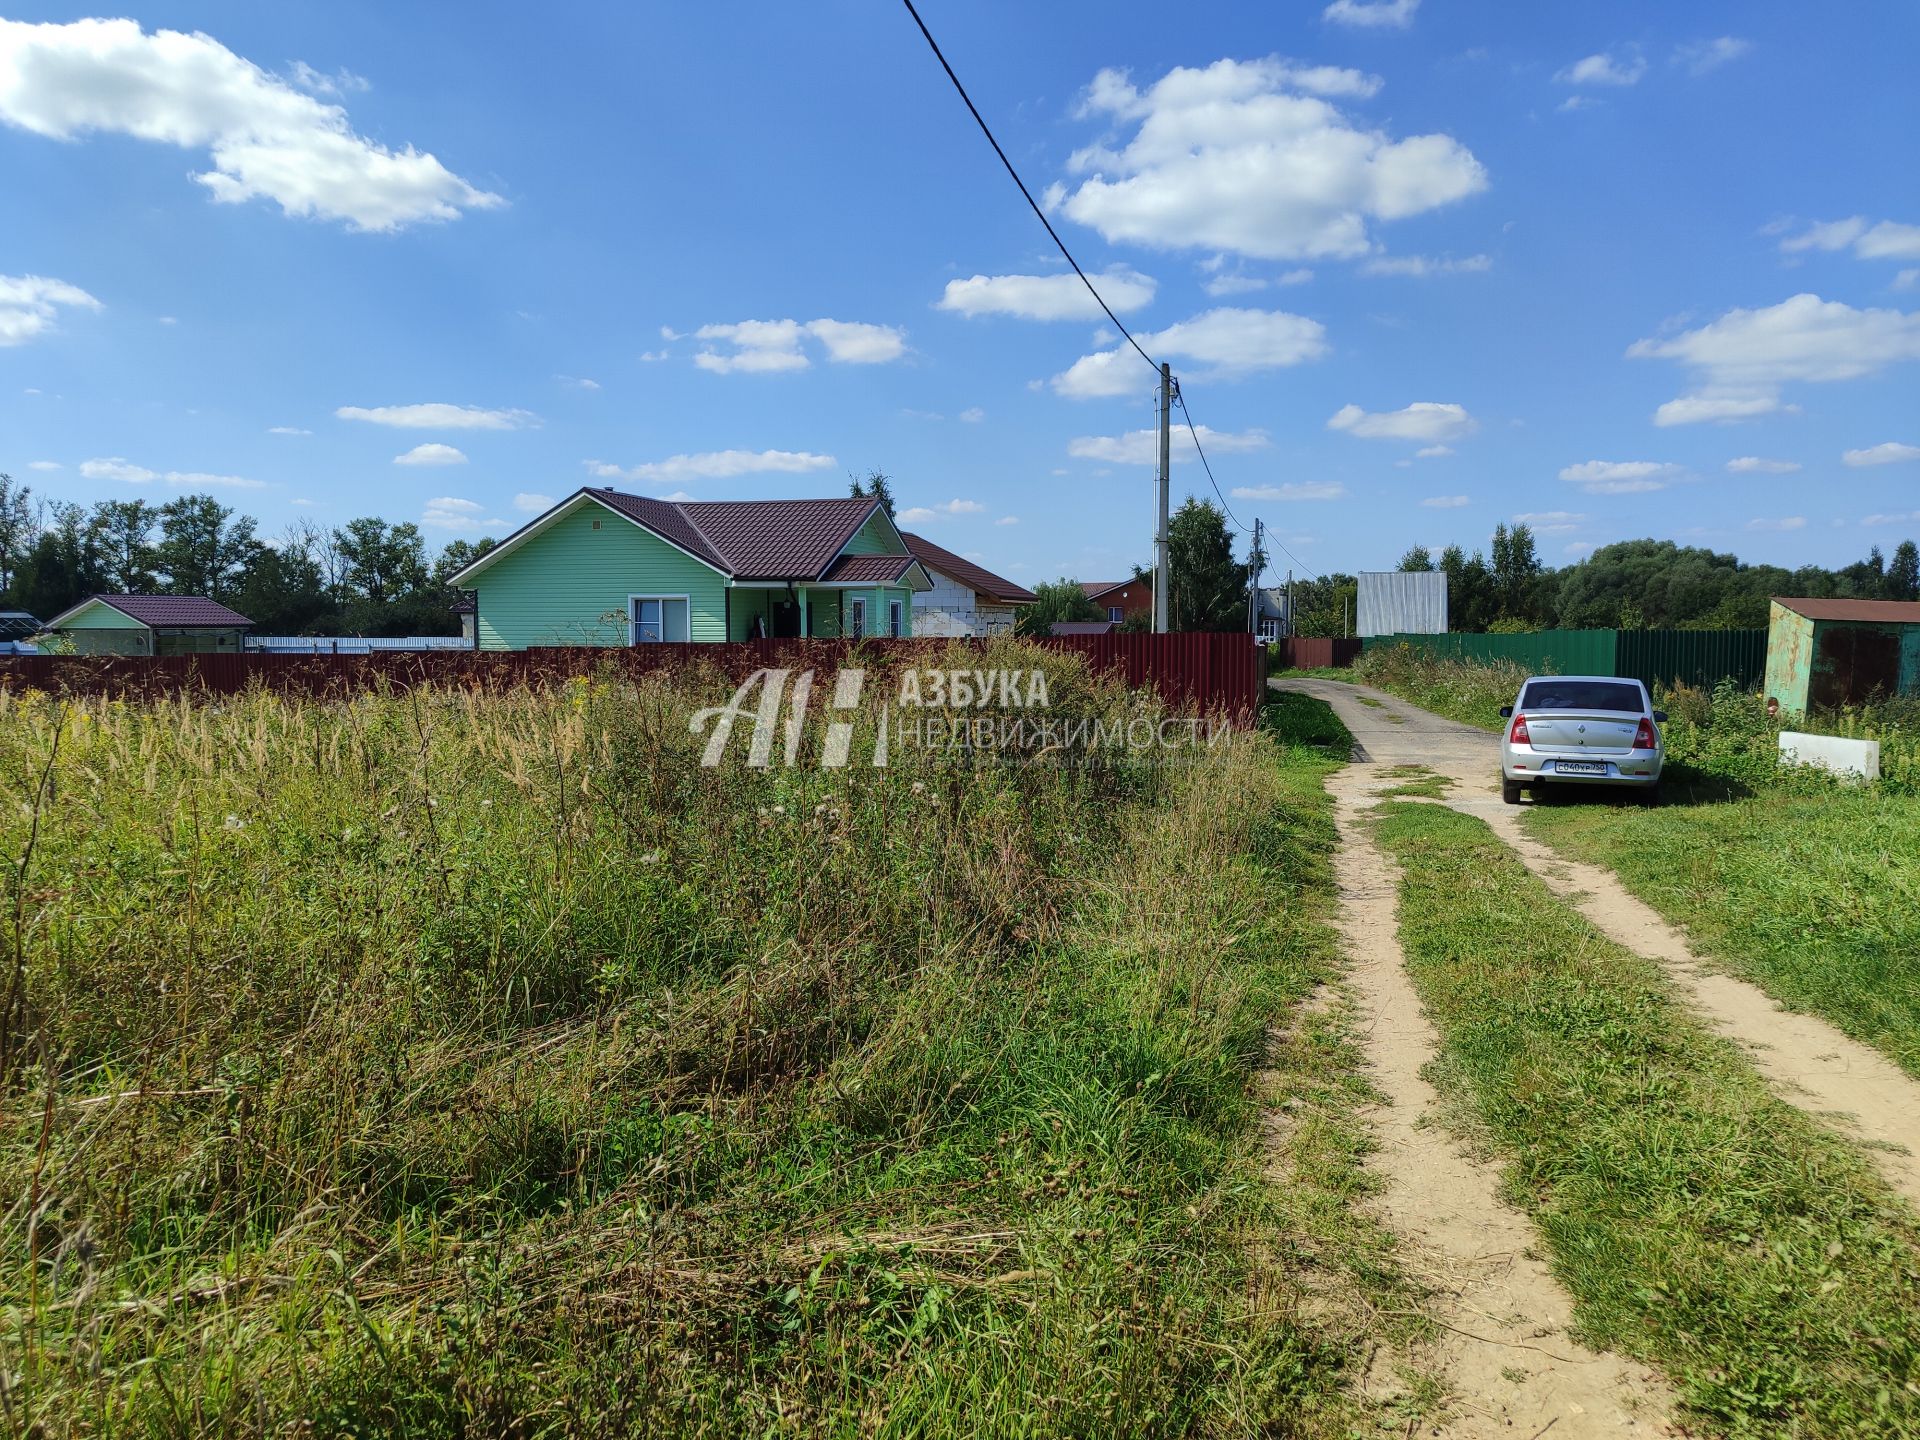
(1423, 266)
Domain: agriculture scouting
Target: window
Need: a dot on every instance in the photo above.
(658, 619)
(858, 629)
(893, 618)
(1116, 613)
(1612, 695)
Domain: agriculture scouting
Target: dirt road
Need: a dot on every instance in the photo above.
(1841, 1082)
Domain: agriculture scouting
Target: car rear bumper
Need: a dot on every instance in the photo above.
(1639, 768)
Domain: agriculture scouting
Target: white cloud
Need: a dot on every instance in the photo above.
(1907, 280)
(43, 465)
(1721, 407)
(1371, 14)
(431, 454)
(29, 303)
(1884, 241)
(287, 430)
(921, 514)
(1550, 522)
(341, 82)
(1047, 297)
(1446, 502)
(580, 383)
(450, 512)
(266, 138)
(1621, 477)
(1757, 465)
(767, 346)
(1747, 355)
(1228, 342)
(1905, 517)
(438, 417)
(125, 471)
(532, 502)
(1891, 453)
(1423, 265)
(1788, 522)
(1303, 490)
(1142, 447)
(1605, 69)
(1705, 55)
(1424, 420)
(973, 415)
(1432, 452)
(1576, 102)
(715, 465)
(1248, 157)
(1008, 520)
(1579, 549)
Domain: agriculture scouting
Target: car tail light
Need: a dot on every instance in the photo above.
(1518, 735)
(1644, 738)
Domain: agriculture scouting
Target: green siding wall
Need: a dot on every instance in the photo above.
(1658, 657)
(101, 617)
(876, 537)
(569, 585)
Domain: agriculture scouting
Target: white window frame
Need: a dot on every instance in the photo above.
(857, 621)
(633, 619)
(1116, 613)
(896, 622)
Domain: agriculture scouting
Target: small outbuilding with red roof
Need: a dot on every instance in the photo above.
(150, 625)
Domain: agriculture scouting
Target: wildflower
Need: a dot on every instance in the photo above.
(652, 857)
(779, 809)
(485, 803)
(919, 787)
(233, 822)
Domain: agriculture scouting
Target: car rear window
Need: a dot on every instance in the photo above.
(1583, 695)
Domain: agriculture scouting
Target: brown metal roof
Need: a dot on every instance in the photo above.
(777, 539)
(1096, 588)
(975, 577)
(171, 612)
(1082, 627)
(1886, 612)
(868, 569)
(665, 519)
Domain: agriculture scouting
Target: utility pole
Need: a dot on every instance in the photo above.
(1162, 575)
(1253, 591)
(1292, 629)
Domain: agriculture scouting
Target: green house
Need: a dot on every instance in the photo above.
(606, 568)
(150, 625)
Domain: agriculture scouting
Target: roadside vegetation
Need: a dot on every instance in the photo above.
(440, 1062)
(1698, 1222)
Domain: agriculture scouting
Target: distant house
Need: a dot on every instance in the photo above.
(966, 599)
(1082, 627)
(151, 625)
(1271, 622)
(1823, 654)
(606, 568)
(466, 609)
(1119, 599)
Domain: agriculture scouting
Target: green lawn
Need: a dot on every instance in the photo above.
(1698, 1222)
(1815, 898)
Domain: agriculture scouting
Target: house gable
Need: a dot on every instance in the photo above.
(94, 614)
(571, 582)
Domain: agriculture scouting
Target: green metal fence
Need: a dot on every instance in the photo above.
(1659, 657)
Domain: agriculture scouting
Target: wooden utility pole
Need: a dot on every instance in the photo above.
(1162, 575)
(1257, 562)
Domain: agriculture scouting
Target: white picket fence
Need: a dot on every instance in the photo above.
(350, 644)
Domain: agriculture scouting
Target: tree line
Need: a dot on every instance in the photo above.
(1644, 585)
(367, 577)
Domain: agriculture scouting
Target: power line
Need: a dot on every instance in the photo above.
(984, 130)
(1181, 400)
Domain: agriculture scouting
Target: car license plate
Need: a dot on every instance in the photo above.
(1579, 767)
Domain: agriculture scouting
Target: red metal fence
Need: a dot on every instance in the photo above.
(1194, 673)
(1304, 652)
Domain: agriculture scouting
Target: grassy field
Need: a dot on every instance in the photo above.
(446, 1063)
(1698, 1222)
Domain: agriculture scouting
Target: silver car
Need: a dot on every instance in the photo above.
(1581, 730)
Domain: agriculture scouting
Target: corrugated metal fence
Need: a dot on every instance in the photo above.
(1658, 657)
(1194, 673)
(1311, 652)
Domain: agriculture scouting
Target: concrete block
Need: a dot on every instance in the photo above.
(1859, 759)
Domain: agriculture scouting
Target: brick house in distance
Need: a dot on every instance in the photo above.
(966, 599)
(1119, 599)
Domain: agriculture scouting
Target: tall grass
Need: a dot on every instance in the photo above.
(437, 1062)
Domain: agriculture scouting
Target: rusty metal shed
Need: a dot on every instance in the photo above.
(1822, 654)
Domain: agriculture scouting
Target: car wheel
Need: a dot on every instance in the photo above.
(1510, 791)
